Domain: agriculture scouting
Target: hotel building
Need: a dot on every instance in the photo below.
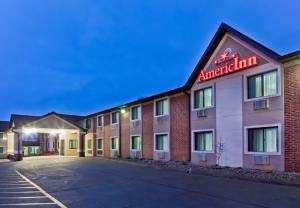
(240, 108)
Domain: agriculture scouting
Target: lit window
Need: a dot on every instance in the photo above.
(203, 98)
(263, 139)
(135, 142)
(263, 85)
(203, 141)
(114, 143)
(162, 107)
(3, 150)
(136, 113)
(100, 121)
(115, 117)
(161, 142)
(90, 144)
(72, 144)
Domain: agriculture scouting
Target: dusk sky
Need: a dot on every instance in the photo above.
(79, 57)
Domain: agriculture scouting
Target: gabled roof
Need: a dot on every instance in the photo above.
(4, 126)
(223, 29)
(21, 120)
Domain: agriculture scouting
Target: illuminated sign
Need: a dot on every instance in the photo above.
(228, 63)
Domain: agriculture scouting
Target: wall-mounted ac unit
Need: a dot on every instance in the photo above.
(115, 153)
(99, 152)
(90, 152)
(201, 113)
(162, 119)
(162, 155)
(261, 104)
(261, 159)
(202, 157)
(100, 128)
(135, 124)
(136, 154)
(114, 126)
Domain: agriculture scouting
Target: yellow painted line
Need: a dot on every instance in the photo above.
(18, 192)
(42, 191)
(23, 197)
(28, 204)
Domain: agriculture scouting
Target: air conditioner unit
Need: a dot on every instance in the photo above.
(161, 119)
(135, 124)
(202, 157)
(90, 152)
(202, 113)
(162, 155)
(99, 152)
(261, 104)
(115, 153)
(261, 159)
(114, 126)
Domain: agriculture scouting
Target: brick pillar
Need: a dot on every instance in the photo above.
(291, 118)
(106, 135)
(94, 128)
(147, 138)
(125, 134)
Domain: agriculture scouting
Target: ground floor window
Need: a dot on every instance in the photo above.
(100, 144)
(3, 150)
(135, 143)
(203, 141)
(162, 142)
(90, 144)
(114, 143)
(72, 144)
(263, 139)
(31, 150)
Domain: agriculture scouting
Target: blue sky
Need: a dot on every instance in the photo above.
(83, 56)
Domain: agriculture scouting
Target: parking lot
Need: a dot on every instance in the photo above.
(94, 182)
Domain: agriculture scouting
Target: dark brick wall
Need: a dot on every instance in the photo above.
(147, 138)
(125, 134)
(179, 135)
(106, 135)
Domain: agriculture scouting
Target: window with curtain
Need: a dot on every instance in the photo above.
(203, 98)
(203, 141)
(3, 150)
(90, 144)
(161, 142)
(88, 123)
(262, 85)
(135, 142)
(100, 121)
(115, 117)
(114, 143)
(136, 113)
(72, 144)
(100, 144)
(162, 107)
(263, 139)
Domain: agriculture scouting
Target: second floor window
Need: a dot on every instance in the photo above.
(115, 117)
(203, 98)
(100, 121)
(136, 113)
(162, 107)
(88, 123)
(262, 85)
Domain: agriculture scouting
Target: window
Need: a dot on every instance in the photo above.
(162, 107)
(72, 144)
(3, 150)
(203, 141)
(2, 136)
(88, 123)
(115, 117)
(100, 121)
(136, 113)
(161, 142)
(100, 144)
(90, 144)
(203, 98)
(262, 85)
(114, 143)
(135, 142)
(263, 139)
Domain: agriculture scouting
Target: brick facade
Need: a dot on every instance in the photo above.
(125, 134)
(106, 135)
(147, 138)
(180, 140)
(291, 116)
(94, 127)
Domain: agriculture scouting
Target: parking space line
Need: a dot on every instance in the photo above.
(29, 204)
(42, 191)
(18, 192)
(23, 197)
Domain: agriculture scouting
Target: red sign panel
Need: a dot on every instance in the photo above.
(228, 63)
